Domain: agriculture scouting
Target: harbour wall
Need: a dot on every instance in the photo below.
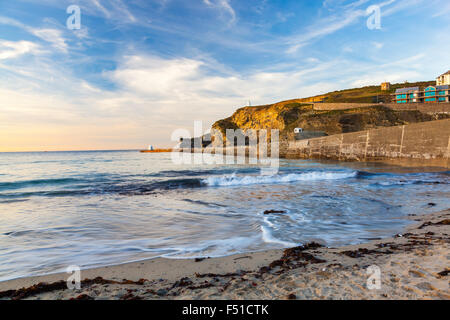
(419, 141)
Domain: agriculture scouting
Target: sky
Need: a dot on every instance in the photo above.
(136, 71)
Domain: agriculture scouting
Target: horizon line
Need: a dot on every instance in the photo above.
(81, 150)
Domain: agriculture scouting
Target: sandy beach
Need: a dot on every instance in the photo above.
(412, 265)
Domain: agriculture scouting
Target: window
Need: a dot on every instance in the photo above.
(430, 92)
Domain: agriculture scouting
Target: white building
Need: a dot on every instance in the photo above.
(443, 79)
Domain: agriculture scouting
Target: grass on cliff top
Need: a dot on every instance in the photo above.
(369, 94)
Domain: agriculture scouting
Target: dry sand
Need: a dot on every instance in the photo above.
(414, 265)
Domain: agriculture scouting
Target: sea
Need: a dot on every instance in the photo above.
(101, 208)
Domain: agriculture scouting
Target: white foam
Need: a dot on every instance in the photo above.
(233, 180)
(269, 238)
(213, 248)
(266, 220)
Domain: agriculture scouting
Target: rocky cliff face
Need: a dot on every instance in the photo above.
(287, 115)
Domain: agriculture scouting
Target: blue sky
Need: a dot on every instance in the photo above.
(137, 70)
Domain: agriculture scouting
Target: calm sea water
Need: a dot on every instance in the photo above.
(101, 208)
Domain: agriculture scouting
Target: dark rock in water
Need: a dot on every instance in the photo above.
(274, 211)
(199, 259)
(431, 204)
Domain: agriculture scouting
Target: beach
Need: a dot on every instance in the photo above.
(222, 150)
(411, 265)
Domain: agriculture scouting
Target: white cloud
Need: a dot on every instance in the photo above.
(52, 36)
(11, 22)
(154, 76)
(14, 49)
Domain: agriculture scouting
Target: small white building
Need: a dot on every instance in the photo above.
(298, 130)
(443, 79)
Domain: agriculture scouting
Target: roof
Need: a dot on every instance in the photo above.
(448, 72)
(406, 90)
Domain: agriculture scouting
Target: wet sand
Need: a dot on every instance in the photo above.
(413, 265)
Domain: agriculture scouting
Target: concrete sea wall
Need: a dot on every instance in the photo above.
(422, 107)
(420, 141)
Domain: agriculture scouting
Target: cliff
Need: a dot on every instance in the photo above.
(287, 115)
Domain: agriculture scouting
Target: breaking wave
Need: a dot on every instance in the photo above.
(234, 180)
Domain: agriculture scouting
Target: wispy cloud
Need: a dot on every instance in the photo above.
(102, 9)
(53, 36)
(14, 49)
(394, 6)
(324, 27)
(223, 5)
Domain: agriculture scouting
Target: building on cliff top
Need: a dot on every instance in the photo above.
(385, 86)
(431, 94)
(443, 79)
